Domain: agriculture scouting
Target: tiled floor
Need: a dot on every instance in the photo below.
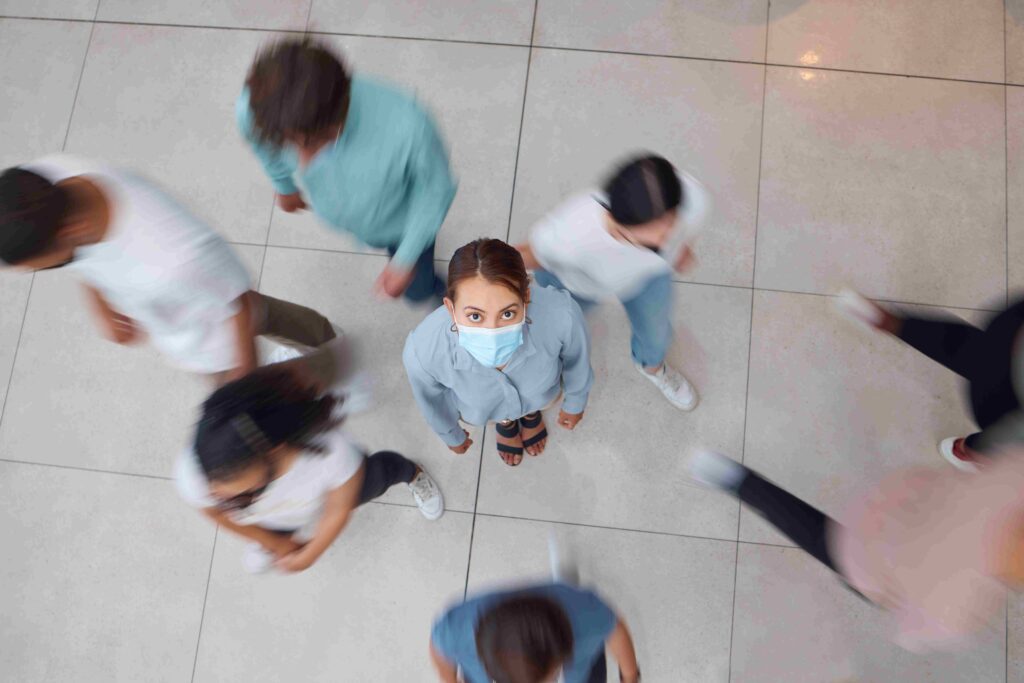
(873, 143)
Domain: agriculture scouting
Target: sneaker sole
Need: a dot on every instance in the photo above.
(946, 450)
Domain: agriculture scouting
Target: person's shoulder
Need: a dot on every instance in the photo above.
(550, 302)
(189, 480)
(431, 329)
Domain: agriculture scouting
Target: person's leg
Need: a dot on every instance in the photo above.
(289, 323)
(599, 671)
(650, 316)
(952, 343)
(382, 470)
(425, 282)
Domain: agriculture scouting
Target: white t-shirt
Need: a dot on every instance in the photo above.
(160, 266)
(293, 501)
(573, 244)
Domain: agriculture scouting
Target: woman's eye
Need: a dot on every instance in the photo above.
(508, 315)
(474, 317)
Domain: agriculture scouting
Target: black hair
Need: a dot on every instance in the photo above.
(523, 638)
(31, 212)
(244, 420)
(297, 87)
(643, 189)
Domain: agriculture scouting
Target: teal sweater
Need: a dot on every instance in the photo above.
(386, 180)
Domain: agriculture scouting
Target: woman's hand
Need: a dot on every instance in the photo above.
(569, 420)
(459, 450)
(685, 260)
(295, 562)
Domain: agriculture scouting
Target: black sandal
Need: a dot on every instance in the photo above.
(531, 421)
(509, 431)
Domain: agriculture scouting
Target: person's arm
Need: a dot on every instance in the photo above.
(577, 375)
(277, 167)
(430, 397)
(430, 195)
(620, 644)
(526, 251)
(277, 544)
(338, 507)
(114, 326)
(245, 341)
(447, 672)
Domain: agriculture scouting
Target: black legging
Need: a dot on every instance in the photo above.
(382, 470)
(983, 357)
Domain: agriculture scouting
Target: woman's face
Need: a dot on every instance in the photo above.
(655, 233)
(479, 303)
(244, 487)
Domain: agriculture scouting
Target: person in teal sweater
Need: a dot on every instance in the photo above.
(366, 156)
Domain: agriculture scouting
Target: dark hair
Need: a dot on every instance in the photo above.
(31, 211)
(296, 87)
(491, 259)
(523, 638)
(243, 420)
(643, 189)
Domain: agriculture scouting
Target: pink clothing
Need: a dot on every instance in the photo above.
(928, 543)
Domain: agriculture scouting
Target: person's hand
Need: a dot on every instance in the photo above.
(283, 546)
(627, 678)
(294, 562)
(569, 420)
(685, 260)
(459, 450)
(122, 330)
(392, 281)
(290, 203)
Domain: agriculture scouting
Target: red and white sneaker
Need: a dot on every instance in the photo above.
(954, 449)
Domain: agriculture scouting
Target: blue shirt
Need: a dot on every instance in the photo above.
(386, 180)
(454, 634)
(449, 383)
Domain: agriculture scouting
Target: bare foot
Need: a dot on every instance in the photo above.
(536, 427)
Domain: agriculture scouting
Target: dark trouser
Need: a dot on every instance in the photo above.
(982, 357)
(806, 526)
(425, 282)
(381, 471)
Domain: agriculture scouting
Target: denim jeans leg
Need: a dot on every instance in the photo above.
(650, 315)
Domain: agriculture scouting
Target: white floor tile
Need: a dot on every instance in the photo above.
(42, 61)
(1015, 41)
(78, 400)
(630, 448)
(489, 21)
(104, 577)
(1015, 639)
(1015, 190)
(49, 9)
(703, 116)
(941, 38)
(14, 287)
(833, 408)
(339, 286)
(796, 622)
(363, 612)
(179, 128)
(476, 95)
(287, 15)
(675, 594)
(715, 29)
(894, 185)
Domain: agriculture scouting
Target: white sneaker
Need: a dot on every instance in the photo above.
(673, 385)
(428, 496)
(717, 471)
(283, 353)
(946, 448)
(860, 309)
(256, 560)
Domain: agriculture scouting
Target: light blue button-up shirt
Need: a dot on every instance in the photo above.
(449, 383)
(386, 179)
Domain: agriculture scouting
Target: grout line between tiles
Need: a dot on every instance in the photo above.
(85, 469)
(206, 594)
(17, 347)
(309, 14)
(78, 85)
(1006, 161)
(522, 118)
(750, 336)
(476, 501)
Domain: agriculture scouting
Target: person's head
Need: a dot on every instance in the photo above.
(644, 195)
(248, 424)
(41, 223)
(298, 93)
(524, 640)
(488, 286)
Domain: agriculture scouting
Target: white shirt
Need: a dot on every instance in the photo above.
(292, 502)
(573, 244)
(161, 266)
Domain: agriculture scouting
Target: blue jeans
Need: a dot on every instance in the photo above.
(425, 282)
(650, 316)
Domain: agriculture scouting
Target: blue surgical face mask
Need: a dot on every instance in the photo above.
(491, 346)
